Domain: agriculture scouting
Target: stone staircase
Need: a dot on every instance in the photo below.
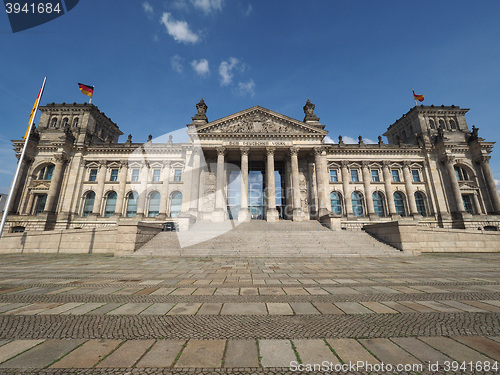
(262, 239)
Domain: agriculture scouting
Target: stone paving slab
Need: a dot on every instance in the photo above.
(420, 350)
(387, 351)
(276, 353)
(16, 347)
(314, 351)
(87, 355)
(202, 353)
(241, 353)
(162, 354)
(481, 344)
(158, 309)
(244, 309)
(43, 354)
(127, 354)
(454, 349)
(349, 350)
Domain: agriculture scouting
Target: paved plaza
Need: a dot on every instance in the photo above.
(91, 314)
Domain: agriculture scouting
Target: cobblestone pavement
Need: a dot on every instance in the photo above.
(90, 314)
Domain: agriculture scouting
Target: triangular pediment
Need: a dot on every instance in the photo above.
(259, 122)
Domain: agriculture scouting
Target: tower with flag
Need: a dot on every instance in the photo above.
(86, 90)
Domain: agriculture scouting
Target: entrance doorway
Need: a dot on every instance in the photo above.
(256, 186)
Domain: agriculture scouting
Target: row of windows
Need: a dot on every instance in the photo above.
(334, 176)
(135, 175)
(65, 122)
(132, 200)
(441, 124)
(379, 204)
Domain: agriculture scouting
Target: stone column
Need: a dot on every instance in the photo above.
(389, 193)
(101, 178)
(272, 212)
(220, 190)
(120, 196)
(55, 184)
(164, 189)
(143, 191)
(477, 205)
(195, 181)
(410, 191)
(455, 187)
(346, 188)
(321, 181)
(20, 185)
(298, 214)
(243, 214)
(490, 183)
(367, 178)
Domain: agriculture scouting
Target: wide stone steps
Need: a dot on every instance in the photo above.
(261, 239)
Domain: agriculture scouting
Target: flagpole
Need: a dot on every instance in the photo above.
(90, 100)
(19, 163)
(416, 104)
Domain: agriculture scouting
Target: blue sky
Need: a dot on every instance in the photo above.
(358, 61)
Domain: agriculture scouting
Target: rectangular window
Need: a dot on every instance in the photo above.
(135, 175)
(93, 174)
(114, 175)
(395, 175)
(375, 176)
(177, 175)
(354, 175)
(156, 175)
(415, 175)
(333, 175)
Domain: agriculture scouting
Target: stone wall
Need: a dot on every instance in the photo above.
(69, 241)
(413, 238)
(123, 239)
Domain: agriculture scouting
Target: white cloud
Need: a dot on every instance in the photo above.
(329, 140)
(179, 30)
(176, 62)
(207, 6)
(249, 10)
(350, 140)
(226, 70)
(179, 5)
(148, 9)
(246, 88)
(201, 67)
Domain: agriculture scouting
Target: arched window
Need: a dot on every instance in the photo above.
(46, 173)
(336, 203)
(441, 124)
(132, 199)
(75, 122)
(453, 125)
(420, 202)
(175, 204)
(54, 122)
(88, 204)
(378, 203)
(432, 125)
(357, 204)
(154, 204)
(461, 174)
(40, 203)
(399, 202)
(110, 207)
(65, 122)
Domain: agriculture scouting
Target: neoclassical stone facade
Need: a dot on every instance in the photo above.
(254, 165)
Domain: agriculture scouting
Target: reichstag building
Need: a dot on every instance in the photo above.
(254, 165)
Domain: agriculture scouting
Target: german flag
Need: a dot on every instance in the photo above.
(87, 90)
(33, 112)
(420, 98)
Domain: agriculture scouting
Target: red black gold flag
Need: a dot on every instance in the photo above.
(420, 98)
(85, 89)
